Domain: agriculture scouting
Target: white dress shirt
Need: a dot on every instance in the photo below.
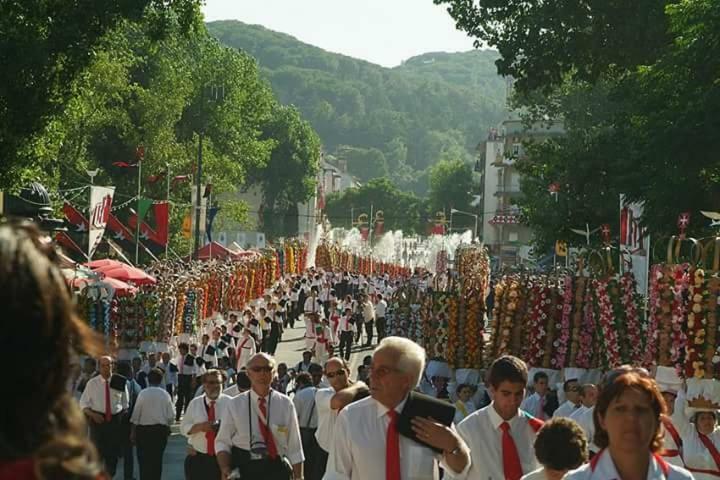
(235, 426)
(304, 401)
(245, 351)
(185, 369)
(93, 397)
(532, 406)
(481, 431)
(380, 309)
(197, 413)
(153, 407)
(584, 418)
(604, 469)
(326, 418)
(538, 474)
(565, 409)
(311, 305)
(359, 450)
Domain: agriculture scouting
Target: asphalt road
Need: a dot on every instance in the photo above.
(289, 351)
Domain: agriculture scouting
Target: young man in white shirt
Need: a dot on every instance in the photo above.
(186, 379)
(151, 419)
(346, 330)
(201, 424)
(535, 403)
(304, 401)
(368, 445)
(259, 429)
(104, 407)
(246, 349)
(380, 311)
(572, 394)
(501, 436)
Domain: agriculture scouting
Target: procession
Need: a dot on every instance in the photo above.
(334, 240)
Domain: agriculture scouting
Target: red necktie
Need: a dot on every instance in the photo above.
(108, 409)
(511, 459)
(265, 430)
(210, 436)
(392, 449)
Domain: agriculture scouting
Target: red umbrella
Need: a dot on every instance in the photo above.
(126, 273)
(121, 288)
(105, 262)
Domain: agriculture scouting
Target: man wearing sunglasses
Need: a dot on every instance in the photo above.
(330, 401)
(572, 395)
(259, 432)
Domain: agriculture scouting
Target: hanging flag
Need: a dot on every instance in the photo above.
(159, 235)
(379, 223)
(124, 165)
(177, 179)
(321, 198)
(364, 233)
(212, 212)
(153, 179)
(121, 234)
(208, 190)
(561, 248)
(100, 205)
(187, 226)
(634, 243)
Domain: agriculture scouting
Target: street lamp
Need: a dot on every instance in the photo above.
(453, 211)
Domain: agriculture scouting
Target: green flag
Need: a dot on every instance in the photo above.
(144, 205)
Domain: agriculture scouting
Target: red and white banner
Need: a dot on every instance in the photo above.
(100, 206)
(634, 243)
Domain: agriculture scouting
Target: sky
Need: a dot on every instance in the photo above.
(385, 32)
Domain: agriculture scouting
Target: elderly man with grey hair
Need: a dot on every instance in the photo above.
(367, 442)
(259, 432)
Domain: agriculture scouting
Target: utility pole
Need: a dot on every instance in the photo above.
(216, 94)
(167, 197)
(140, 152)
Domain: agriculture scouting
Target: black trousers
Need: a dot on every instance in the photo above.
(128, 450)
(346, 341)
(358, 332)
(201, 467)
(274, 338)
(380, 325)
(184, 395)
(277, 469)
(369, 331)
(321, 464)
(151, 441)
(312, 450)
(107, 437)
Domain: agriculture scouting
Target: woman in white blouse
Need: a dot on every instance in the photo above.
(629, 431)
(700, 439)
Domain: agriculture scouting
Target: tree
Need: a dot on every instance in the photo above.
(450, 186)
(364, 163)
(402, 211)
(290, 175)
(45, 45)
(541, 43)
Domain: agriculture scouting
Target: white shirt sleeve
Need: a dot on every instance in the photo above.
(223, 440)
(341, 453)
(188, 419)
(137, 411)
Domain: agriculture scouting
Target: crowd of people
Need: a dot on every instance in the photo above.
(246, 416)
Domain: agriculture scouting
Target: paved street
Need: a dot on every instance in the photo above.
(290, 352)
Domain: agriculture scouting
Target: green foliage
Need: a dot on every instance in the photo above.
(450, 185)
(430, 105)
(45, 46)
(363, 163)
(402, 210)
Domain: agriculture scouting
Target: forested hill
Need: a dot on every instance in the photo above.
(383, 121)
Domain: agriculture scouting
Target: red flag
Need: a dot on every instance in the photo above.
(64, 239)
(364, 233)
(120, 231)
(153, 179)
(160, 234)
(76, 218)
(180, 178)
(124, 165)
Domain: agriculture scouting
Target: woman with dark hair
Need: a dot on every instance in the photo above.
(43, 434)
(628, 430)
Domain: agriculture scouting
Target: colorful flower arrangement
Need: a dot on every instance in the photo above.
(608, 328)
(633, 326)
(696, 323)
(577, 319)
(587, 333)
(561, 344)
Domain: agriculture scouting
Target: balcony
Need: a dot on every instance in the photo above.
(506, 190)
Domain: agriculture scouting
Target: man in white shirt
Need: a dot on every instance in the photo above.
(380, 311)
(584, 415)
(572, 394)
(304, 401)
(201, 424)
(151, 419)
(368, 445)
(259, 431)
(246, 349)
(186, 380)
(104, 402)
(501, 436)
(346, 332)
(535, 403)
(171, 374)
(329, 402)
(368, 313)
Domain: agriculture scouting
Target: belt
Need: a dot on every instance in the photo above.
(103, 413)
(670, 453)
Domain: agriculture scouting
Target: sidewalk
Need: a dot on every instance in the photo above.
(290, 352)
